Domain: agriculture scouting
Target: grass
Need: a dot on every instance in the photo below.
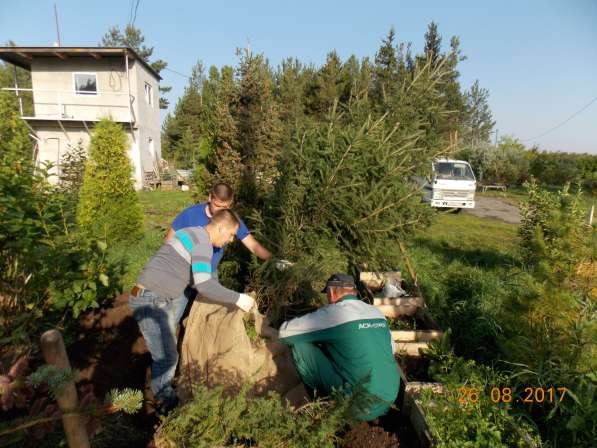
(517, 194)
(465, 232)
(463, 265)
(159, 209)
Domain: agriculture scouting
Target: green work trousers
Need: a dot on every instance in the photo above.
(319, 374)
(316, 369)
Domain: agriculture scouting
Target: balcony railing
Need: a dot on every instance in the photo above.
(42, 104)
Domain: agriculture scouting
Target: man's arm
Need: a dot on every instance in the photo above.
(207, 286)
(171, 232)
(256, 248)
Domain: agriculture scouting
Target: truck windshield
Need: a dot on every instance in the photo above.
(453, 170)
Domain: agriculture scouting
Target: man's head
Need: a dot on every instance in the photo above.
(223, 227)
(338, 286)
(220, 197)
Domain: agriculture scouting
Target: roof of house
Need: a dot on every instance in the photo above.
(22, 56)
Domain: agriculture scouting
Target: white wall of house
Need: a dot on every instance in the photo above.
(55, 99)
(54, 95)
(147, 108)
(54, 143)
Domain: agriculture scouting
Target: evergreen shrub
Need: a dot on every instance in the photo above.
(109, 208)
(343, 201)
(215, 418)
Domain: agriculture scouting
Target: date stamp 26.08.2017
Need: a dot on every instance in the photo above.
(498, 394)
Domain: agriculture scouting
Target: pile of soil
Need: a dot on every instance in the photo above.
(364, 435)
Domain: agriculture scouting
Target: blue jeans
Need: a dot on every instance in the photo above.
(157, 318)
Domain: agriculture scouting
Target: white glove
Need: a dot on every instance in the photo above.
(245, 302)
(282, 265)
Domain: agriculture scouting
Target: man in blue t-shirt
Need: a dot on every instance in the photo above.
(220, 197)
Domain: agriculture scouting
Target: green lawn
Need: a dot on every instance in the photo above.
(515, 195)
(467, 232)
(159, 209)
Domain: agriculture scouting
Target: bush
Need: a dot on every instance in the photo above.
(548, 321)
(47, 271)
(213, 418)
(458, 419)
(108, 207)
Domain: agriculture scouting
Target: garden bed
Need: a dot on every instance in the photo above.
(414, 333)
(413, 409)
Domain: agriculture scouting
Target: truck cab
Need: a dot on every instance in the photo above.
(452, 184)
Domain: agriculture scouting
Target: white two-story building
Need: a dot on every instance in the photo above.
(74, 87)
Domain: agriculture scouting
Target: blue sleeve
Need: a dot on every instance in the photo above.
(242, 231)
(180, 222)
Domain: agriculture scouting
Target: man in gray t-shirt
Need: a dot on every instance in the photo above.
(156, 299)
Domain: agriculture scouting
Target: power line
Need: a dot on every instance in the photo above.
(563, 122)
(135, 14)
(178, 73)
(130, 16)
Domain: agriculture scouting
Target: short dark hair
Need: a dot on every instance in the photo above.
(222, 191)
(227, 217)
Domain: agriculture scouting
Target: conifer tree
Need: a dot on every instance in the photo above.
(108, 205)
(479, 122)
(259, 127)
(290, 89)
(433, 44)
(386, 67)
(333, 84)
(186, 123)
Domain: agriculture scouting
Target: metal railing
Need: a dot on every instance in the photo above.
(73, 105)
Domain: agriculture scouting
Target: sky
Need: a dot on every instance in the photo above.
(538, 59)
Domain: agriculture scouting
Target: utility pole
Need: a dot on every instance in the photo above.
(57, 26)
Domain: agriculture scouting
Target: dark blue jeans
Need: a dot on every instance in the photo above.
(157, 318)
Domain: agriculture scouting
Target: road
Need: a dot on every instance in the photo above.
(488, 207)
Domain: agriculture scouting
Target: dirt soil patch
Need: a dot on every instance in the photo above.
(487, 207)
(364, 434)
(111, 353)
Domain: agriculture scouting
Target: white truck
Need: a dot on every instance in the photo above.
(451, 185)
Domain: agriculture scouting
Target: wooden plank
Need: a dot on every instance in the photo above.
(54, 352)
(398, 310)
(25, 55)
(414, 411)
(404, 306)
(417, 419)
(416, 335)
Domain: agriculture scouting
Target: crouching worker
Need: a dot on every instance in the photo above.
(344, 345)
(157, 300)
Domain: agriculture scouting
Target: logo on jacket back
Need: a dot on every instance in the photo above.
(367, 325)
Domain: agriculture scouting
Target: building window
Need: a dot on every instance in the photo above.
(148, 94)
(85, 83)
